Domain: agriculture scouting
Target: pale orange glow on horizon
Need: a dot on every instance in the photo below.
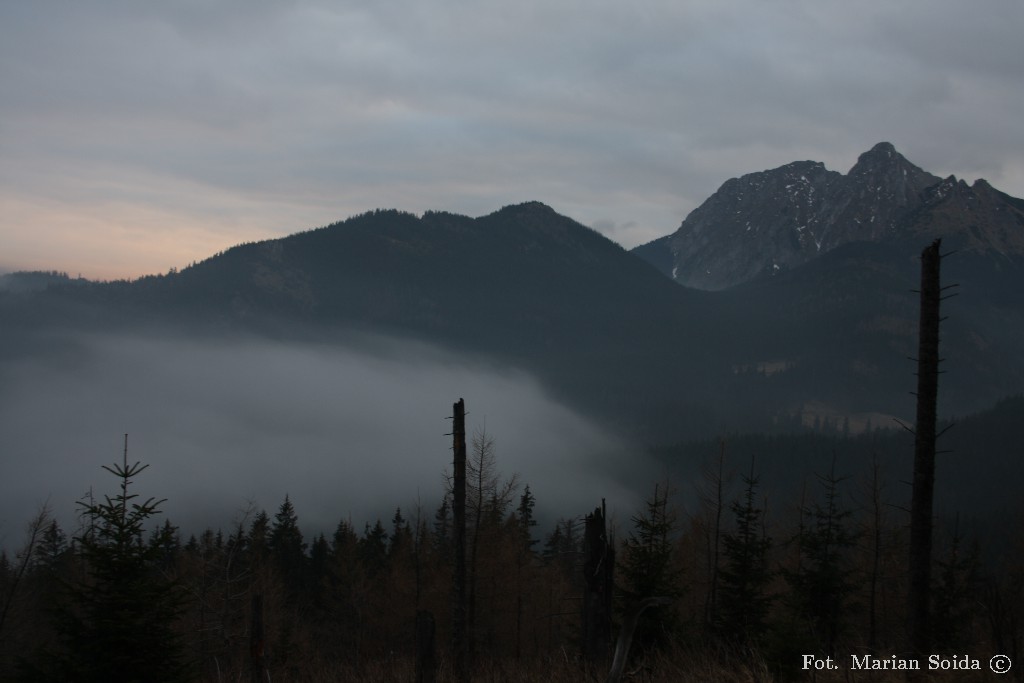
(113, 240)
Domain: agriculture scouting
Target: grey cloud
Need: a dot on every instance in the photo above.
(278, 112)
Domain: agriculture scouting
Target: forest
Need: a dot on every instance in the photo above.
(745, 589)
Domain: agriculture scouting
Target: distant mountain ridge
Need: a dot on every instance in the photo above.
(524, 286)
(824, 340)
(779, 219)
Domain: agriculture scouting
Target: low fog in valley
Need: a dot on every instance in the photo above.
(347, 432)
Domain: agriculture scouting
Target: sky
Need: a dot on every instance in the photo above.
(139, 137)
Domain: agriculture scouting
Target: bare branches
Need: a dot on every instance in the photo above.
(34, 531)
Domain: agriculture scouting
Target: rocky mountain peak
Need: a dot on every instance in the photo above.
(760, 221)
(882, 150)
(883, 160)
(772, 220)
(976, 218)
(869, 202)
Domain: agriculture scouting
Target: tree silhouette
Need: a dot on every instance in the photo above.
(120, 624)
(525, 517)
(288, 547)
(743, 599)
(822, 584)
(649, 569)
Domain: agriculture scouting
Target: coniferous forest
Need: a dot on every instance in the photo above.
(741, 585)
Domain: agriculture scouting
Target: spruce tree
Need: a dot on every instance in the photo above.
(120, 623)
(319, 560)
(287, 547)
(52, 548)
(525, 517)
(649, 569)
(955, 598)
(259, 539)
(372, 548)
(442, 536)
(401, 538)
(743, 599)
(823, 583)
(562, 548)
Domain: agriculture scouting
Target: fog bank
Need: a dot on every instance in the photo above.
(347, 433)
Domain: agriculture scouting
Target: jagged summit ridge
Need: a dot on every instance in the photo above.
(781, 218)
(976, 217)
(870, 201)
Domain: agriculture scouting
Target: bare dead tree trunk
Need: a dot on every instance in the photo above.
(919, 562)
(257, 648)
(599, 576)
(714, 536)
(476, 487)
(629, 624)
(876, 553)
(35, 530)
(459, 635)
(426, 658)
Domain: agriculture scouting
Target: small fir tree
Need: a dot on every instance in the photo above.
(373, 548)
(955, 597)
(822, 583)
(525, 517)
(743, 599)
(259, 539)
(120, 623)
(52, 548)
(400, 540)
(649, 568)
(287, 546)
(442, 537)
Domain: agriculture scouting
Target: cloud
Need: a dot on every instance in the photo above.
(348, 432)
(245, 120)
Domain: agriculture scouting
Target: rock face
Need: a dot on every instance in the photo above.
(762, 221)
(765, 222)
(871, 201)
(977, 218)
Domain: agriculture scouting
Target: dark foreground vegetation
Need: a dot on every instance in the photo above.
(751, 589)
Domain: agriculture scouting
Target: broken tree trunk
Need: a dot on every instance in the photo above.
(919, 562)
(459, 635)
(599, 573)
(629, 624)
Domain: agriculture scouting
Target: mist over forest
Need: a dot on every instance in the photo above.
(231, 423)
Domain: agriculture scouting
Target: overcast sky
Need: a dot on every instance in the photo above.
(135, 137)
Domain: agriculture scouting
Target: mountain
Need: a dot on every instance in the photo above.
(524, 286)
(820, 264)
(822, 340)
(975, 218)
(511, 282)
(767, 222)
